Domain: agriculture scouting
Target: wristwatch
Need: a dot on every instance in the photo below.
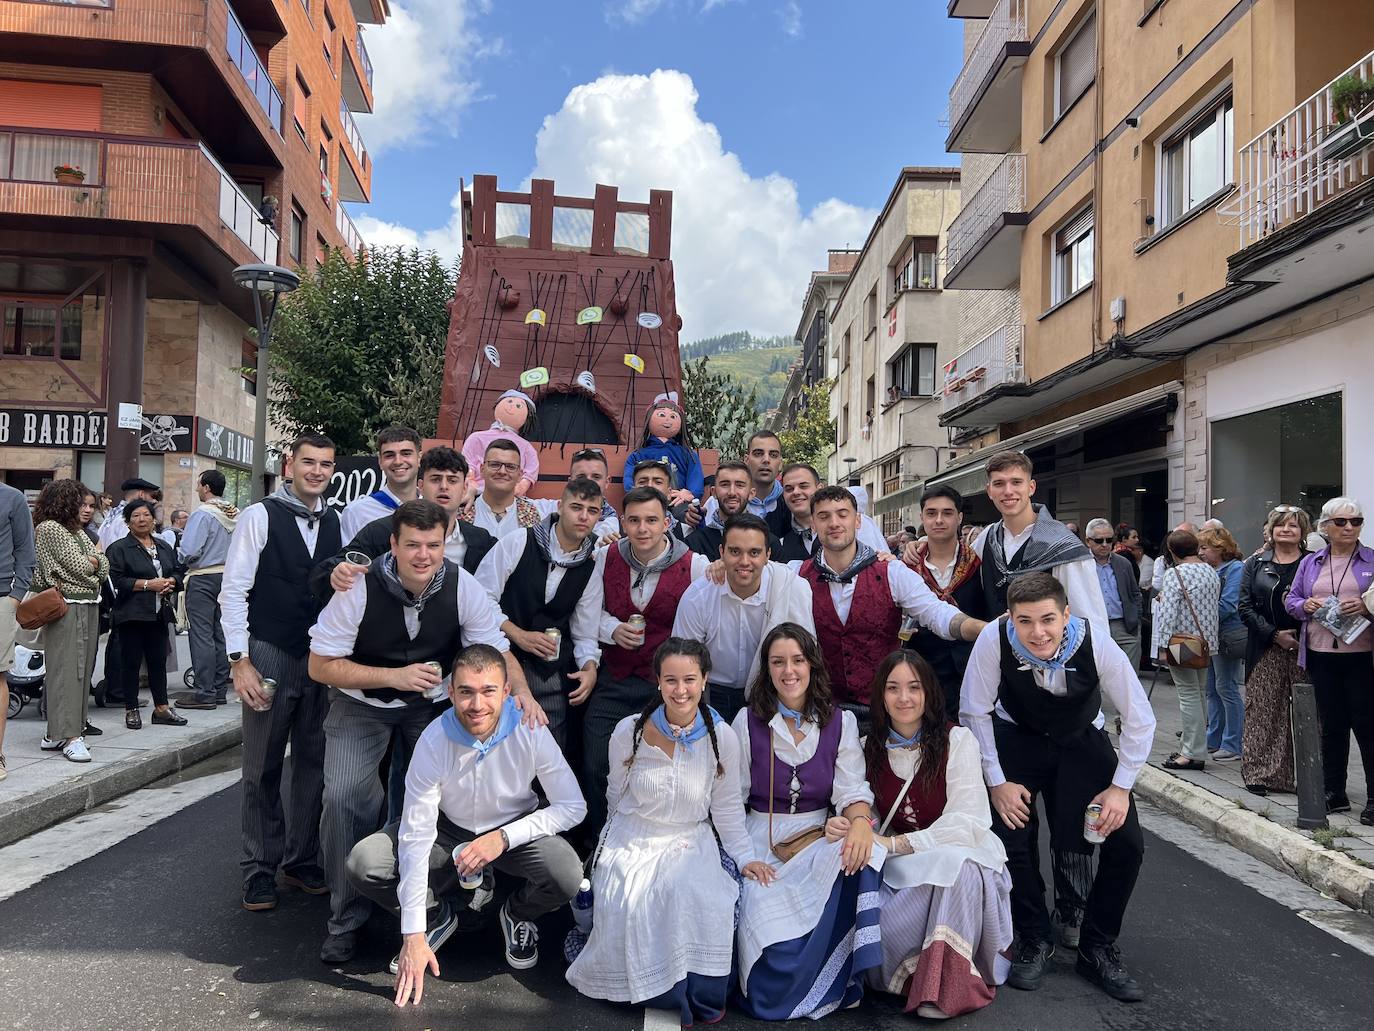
(504, 839)
(236, 657)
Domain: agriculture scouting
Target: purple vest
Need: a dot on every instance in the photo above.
(816, 775)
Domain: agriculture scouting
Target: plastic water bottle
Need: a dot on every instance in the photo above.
(582, 906)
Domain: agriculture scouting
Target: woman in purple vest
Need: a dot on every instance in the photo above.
(805, 940)
(945, 879)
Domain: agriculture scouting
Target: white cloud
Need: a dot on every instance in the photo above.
(742, 246)
(791, 16)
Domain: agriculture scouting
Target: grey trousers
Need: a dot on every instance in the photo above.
(69, 649)
(1129, 642)
(208, 657)
(551, 692)
(271, 837)
(549, 868)
(356, 739)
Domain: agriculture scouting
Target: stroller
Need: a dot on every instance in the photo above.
(25, 679)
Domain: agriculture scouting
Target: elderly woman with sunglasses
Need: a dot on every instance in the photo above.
(1336, 645)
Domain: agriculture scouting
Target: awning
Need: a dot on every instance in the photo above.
(899, 499)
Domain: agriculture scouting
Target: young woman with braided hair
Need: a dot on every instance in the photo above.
(945, 900)
(663, 920)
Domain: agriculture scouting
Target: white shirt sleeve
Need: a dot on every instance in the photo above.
(727, 805)
(978, 695)
(566, 809)
(617, 752)
(419, 828)
(916, 599)
(240, 570)
(967, 818)
(871, 534)
(606, 622)
(478, 615)
(851, 781)
(1119, 681)
(586, 621)
(498, 564)
(1085, 594)
(798, 601)
(335, 633)
(691, 620)
(700, 563)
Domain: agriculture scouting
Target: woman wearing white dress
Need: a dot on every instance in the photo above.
(946, 909)
(663, 913)
(806, 939)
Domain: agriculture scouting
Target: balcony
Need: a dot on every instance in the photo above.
(985, 102)
(353, 239)
(254, 72)
(984, 243)
(353, 171)
(994, 361)
(357, 87)
(971, 8)
(369, 12)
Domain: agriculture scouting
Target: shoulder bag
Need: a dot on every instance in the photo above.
(1188, 651)
(38, 610)
(789, 847)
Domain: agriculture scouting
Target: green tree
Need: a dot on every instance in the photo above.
(720, 412)
(813, 438)
(360, 344)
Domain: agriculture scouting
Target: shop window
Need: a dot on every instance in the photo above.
(1075, 65)
(1073, 256)
(911, 373)
(1197, 162)
(41, 329)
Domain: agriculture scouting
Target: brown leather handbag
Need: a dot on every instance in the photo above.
(788, 847)
(38, 610)
(1188, 651)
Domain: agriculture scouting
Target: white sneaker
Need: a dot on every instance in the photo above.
(1222, 755)
(75, 750)
(49, 745)
(931, 1011)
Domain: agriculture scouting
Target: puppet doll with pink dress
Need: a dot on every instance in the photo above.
(513, 410)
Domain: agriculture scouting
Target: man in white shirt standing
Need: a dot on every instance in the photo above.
(385, 647)
(470, 790)
(498, 509)
(591, 463)
(732, 618)
(398, 456)
(792, 519)
(1032, 697)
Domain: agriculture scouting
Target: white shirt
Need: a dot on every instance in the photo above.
(169, 537)
(909, 593)
(641, 595)
(484, 517)
(733, 627)
(942, 574)
(113, 528)
(607, 525)
(447, 778)
(335, 633)
(241, 569)
(851, 781)
(1116, 679)
(868, 532)
(1079, 578)
(500, 562)
(361, 511)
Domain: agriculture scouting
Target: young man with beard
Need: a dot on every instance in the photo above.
(498, 509)
(858, 602)
(385, 647)
(733, 490)
(267, 610)
(732, 618)
(792, 521)
(1033, 699)
(643, 576)
(204, 546)
(398, 451)
(542, 580)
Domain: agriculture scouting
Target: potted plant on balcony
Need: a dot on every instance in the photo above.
(1352, 104)
(69, 175)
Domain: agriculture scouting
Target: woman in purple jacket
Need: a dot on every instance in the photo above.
(1336, 645)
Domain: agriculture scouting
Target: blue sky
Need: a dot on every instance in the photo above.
(820, 103)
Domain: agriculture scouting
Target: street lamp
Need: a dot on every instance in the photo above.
(849, 470)
(268, 283)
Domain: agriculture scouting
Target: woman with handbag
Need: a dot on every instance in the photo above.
(66, 587)
(144, 570)
(946, 897)
(664, 898)
(1186, 619)
(1225, 704)
(806, 940)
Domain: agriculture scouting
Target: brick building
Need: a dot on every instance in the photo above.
(208, 134)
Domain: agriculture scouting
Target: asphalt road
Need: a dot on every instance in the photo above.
(148, 933)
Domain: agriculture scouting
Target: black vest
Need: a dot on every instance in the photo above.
(523, 603)
(949, 659)
(281, 609)
(383, 641)
(1034, 709)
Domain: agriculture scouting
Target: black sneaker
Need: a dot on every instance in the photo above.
(339, 948)
(1337, 803)
(309, 879)
(260, 892)
(440, 930)
(1029, 960)
(1067, 928)
(1101, 964)
(191, 700)
(522, 940)
(91, 730)
(1367, 815)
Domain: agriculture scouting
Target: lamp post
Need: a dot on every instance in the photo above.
(271, 281)
(849, 470)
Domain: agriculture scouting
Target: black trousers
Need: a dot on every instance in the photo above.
(726, 700)
(138, 641)
(1077, 771)
(1344, 686)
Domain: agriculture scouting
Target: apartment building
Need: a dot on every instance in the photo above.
(812, 335)
(147, 147)
(892, 327)
(1163, 253)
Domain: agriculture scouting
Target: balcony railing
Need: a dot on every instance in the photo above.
(238, 211)
(105, 4)
(254, 72)
(367, 61)
(994, 360)
(1303, 160)
(353, 239)
(1004, 191)
(350, 130)
(1007, 24)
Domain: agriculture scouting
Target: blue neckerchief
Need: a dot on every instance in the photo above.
(762, 506)
(895, 740)
(1074, 632)
(458, 734)
(790, 714)
(687, 737)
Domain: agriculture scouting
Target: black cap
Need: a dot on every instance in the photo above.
(137, 483)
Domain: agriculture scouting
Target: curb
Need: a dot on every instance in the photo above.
(1288, 851)
(42, 809)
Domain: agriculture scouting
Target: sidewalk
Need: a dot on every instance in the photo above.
(44, 788)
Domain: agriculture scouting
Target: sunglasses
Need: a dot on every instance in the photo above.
(1284, 508)
(1343, 521)
(588, 452)
(1102, 540)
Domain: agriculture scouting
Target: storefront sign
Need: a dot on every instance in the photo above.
(219, 442)
(88, 431)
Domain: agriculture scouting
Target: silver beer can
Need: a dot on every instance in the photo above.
(1092, 816)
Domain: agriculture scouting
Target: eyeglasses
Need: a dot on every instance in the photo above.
(588, 452)
(502, 467)
(1343, 521)
(1102, 540)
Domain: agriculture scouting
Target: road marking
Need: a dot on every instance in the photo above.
(26, 862)
(661, 1020)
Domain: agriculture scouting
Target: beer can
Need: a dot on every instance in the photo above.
(555, 635)
(636, 623)
(438, 667)
(467, 881)
(269, 689)
(1092, 816)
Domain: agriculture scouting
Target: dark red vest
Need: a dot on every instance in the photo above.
(658, 617)
(922, 805)
(854, 649)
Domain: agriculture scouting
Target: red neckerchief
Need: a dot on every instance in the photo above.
(966, 565)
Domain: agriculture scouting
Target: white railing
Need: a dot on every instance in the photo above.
(995, 359)
(1302, 161)
(353, 239)
(1004, 191)
(350, 131)
(1007, 24)
(240, 214)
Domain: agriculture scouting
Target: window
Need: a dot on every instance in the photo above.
(324, 160)
(844, 351)
(1073, 256)
(300, 105)
(844, 424)
(1075, 65)
(321, 250)
(329, 29)
(911, 373)
(914, 269)
(295, 239)
(871, 313)
(1197, 163)
(42, 329)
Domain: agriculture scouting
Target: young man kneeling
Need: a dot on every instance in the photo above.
(1032, 696)
(471, 787)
